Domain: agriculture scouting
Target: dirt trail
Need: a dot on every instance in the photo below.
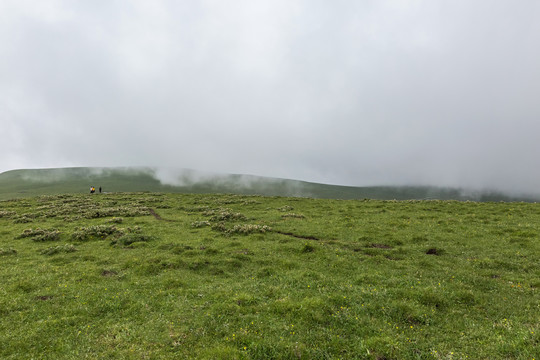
(156, 215)
(297, 236)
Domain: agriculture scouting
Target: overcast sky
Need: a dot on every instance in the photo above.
(345, 92)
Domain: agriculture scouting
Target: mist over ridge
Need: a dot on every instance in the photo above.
(19, 183)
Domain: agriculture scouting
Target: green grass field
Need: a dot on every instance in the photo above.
(174, 276)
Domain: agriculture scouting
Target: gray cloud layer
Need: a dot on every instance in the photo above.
(348, 92)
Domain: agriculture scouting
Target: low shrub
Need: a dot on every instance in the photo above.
(39, 235)
(67, 248)
(200, 224)
(245, 229)
(219, 227)
(23, 219)
(31, 233)
(116, 220)
(228, 216)
(97, 231)
(7, 214)
(293, 215)
(10, 251)
(130, 239)
(285, 208)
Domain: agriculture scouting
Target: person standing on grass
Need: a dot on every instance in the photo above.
(100, 189)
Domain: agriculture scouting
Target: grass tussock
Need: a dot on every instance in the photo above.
(94, 232)
(130, 239)
(9, 251)
(245, 229)
(40, 235)
(7, 214)
(293, 215)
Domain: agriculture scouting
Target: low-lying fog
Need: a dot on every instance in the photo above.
(441, 93)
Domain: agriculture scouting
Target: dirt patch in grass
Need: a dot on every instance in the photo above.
(380, 246)
(108, 273)
(434, 251)
(305, 237)
(157, 216)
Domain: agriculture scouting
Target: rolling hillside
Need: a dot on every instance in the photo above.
(24, 183)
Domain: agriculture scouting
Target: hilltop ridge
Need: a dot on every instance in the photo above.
(32, 182)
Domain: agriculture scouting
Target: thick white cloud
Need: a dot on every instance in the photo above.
(359, 93)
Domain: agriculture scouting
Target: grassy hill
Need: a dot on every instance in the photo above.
(205, 276)
(24, 183)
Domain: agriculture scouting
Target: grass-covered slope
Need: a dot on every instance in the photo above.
(24, 183)
(172, 276)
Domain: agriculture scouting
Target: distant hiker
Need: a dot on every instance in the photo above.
(100, 189)
(92, 189)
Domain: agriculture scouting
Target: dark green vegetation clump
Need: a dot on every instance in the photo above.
(169, 276)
